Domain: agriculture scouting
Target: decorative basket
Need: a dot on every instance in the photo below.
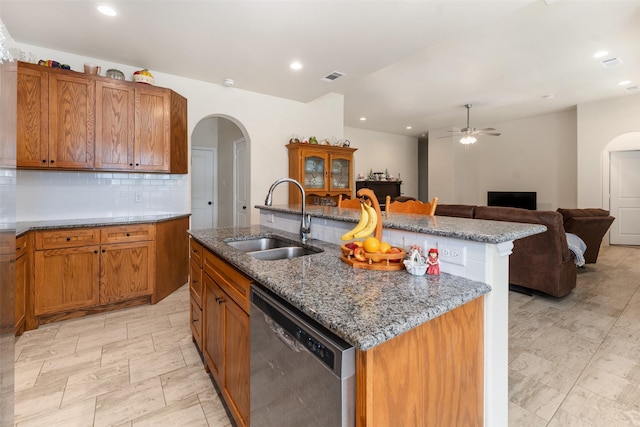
(141, 78)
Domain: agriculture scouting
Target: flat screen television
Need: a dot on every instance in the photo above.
(513, 199)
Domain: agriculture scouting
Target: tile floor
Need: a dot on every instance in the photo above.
(574, 361)
(135, 367)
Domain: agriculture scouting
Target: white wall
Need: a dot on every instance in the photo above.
(380, 151)
(533, 154)
(267, 121)
(599, 123)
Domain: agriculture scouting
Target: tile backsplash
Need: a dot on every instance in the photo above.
(46, 195)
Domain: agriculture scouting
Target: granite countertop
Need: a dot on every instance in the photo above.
(25, 226)
(364, 307)
(478, 230)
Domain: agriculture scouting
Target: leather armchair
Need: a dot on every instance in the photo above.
(590, 225)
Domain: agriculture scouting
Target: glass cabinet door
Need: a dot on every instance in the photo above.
(314, 172)
(340, 169)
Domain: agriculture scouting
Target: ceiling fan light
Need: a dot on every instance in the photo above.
(468, 139)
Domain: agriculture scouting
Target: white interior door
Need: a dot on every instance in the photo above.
(240, 192)
(203, 197)
(625, 197)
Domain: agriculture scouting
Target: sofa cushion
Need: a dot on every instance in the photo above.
(570, 213)
(459, 211)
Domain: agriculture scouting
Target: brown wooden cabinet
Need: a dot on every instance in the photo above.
(71, 120)
(126, 262)
(32, 133)
(196, 290)
(225, 328)
(85, 270)
(67, 264)
(22, 282)
(324, 171)
(115, 114)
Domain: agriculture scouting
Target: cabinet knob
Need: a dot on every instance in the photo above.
(219, 300)
(68, 239)
(52, 161)
(137, 164)
(44, 160)
(210, 203)
(128, 234)
(103, 251)
(95, 252)
(130, 164)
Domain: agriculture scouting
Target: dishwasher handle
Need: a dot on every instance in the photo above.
(282, 335)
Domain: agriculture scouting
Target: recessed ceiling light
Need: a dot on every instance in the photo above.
(409, 127)
(362, 119)
(107, 10)
(295, 65)
(624, 82)
(600, 54)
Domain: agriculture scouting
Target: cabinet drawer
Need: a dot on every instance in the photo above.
(67, 238)
(21, 246)
(196, 323)
(195, 252)
(127, 233)
(234, 283)
(195, 282)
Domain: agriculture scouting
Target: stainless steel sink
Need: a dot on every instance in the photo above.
(260, 244)
(272, 248)
(281, 253)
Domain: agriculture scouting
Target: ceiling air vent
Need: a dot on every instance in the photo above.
(331, 77)
(611, 62)
(632, 88)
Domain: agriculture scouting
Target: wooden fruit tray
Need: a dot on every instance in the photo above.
(388, 262)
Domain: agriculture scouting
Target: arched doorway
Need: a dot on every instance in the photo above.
(621, 187)
(215, 177)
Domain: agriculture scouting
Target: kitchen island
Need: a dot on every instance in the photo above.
(371, 309)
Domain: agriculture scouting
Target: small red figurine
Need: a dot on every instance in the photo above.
(433, 265)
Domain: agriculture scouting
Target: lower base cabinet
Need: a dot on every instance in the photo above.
(86, 270)
(225, 332)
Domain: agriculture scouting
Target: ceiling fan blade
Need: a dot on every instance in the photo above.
(486, 129)
(487, 133)
(449, 136)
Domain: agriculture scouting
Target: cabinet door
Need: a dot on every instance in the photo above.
(152, 129)
(213, 328)
(341, 173)
(66, 279)
(237, 371)
(32, 133)
(315, 170)
(126, 271)
(114, 126)
(22, 274)
(71, 121)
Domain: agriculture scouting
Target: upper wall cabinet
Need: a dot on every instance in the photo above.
(70, 120)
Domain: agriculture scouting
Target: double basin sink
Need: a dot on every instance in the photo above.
(272, 248)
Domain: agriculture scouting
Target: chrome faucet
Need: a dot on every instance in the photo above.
(305, 224)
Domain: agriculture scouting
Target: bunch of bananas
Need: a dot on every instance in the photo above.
(366, 225)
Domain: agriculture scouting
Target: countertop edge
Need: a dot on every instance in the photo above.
(23, 227)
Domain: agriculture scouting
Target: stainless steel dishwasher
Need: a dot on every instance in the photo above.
(301, 373)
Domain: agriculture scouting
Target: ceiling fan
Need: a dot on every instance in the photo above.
(468, 134)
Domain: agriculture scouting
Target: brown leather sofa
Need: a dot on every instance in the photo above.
(542, 262)
(590, 225)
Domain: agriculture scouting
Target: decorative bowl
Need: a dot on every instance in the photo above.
(141, 78)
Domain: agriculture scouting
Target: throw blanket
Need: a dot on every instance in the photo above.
(577, 246)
